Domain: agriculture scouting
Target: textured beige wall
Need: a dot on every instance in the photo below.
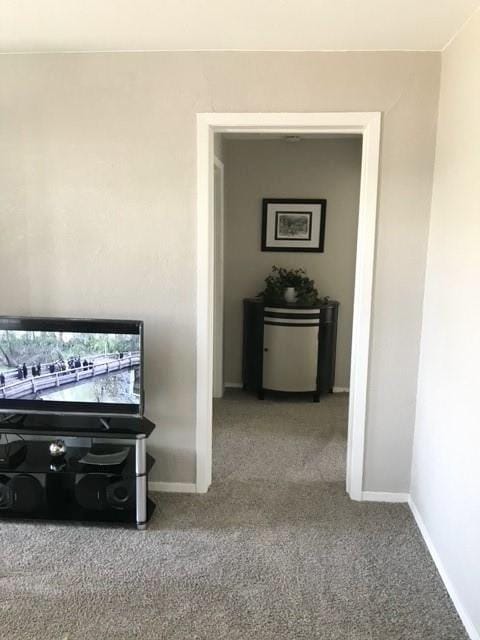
(97, 204)
(446, 470)
(308, 169)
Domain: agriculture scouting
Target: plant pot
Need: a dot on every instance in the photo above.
(290, 295)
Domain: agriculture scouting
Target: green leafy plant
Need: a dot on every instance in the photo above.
(281, 278)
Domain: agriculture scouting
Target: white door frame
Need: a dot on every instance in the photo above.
(367, 124)
(218, 376)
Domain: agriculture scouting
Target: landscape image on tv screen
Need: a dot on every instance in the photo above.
(66, 366)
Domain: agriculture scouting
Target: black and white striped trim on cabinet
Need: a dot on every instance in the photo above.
(291, 317)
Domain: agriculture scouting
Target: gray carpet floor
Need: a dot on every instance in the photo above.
(274, 551)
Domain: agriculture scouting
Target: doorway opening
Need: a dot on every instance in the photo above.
(210, 265)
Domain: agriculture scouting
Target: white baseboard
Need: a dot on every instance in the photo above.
(473, 633)
(384, 496)
(239, 385)
(173, 487)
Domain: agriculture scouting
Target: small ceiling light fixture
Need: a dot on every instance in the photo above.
(292, 138)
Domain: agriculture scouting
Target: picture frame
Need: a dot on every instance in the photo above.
(293, 224)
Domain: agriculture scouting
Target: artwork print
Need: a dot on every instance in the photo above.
(293, 224)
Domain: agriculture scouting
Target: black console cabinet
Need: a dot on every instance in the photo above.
(37, 485)
(289, 348)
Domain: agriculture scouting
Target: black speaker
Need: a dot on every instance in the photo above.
(100, 491)
(6, 494)
(21, 492)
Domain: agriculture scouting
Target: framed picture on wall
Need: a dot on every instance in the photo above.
(293, 225)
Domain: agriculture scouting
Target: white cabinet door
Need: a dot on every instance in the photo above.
(290, 357)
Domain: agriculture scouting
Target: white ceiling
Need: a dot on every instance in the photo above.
(262, 25)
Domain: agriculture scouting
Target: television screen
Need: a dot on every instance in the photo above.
(78, 366)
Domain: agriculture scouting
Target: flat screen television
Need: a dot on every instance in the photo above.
(60, 365)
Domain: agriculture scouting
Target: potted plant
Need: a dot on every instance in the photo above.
(292, 286)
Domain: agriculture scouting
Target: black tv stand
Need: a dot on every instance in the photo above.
(41, 486)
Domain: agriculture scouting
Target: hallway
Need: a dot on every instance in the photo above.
(281, 440)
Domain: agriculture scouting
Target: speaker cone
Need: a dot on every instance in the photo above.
(90, 492)
(120, 494)
(28, 493)
(6, 495)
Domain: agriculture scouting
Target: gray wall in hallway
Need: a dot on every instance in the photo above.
(311, 168)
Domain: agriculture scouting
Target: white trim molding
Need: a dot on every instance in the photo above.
(239, 385)
(472, 632)
(384, 496)
(366, 124)
(172, 487)
(219, 212)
